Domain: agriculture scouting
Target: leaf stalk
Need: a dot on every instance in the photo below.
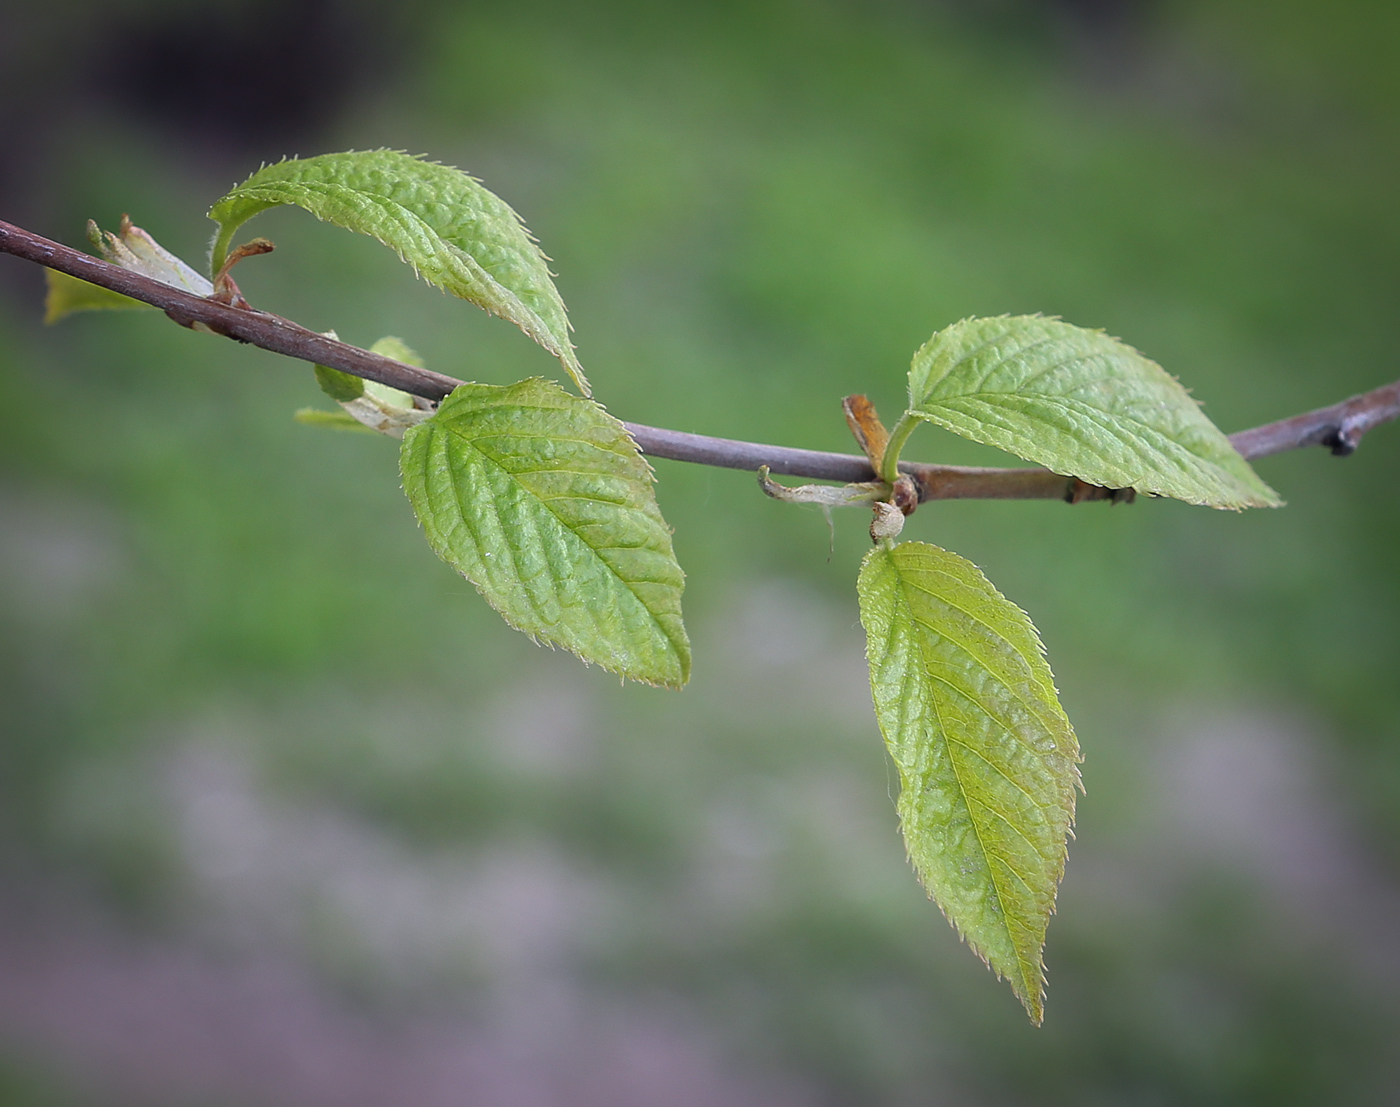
(889, 464)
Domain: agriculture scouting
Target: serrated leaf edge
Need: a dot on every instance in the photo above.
(1144, 485)
(679, 647)
(538, 330)
(1030, 990)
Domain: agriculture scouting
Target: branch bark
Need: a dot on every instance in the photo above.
(1339, 427)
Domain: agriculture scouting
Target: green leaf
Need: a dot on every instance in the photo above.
(345, 388)
(339, 386)
(987, 759)
(134, 249)
(375, 406)
(335, 420)
(455, 233)
(69, 294)
(399, 350)
(1080, 403)
(542, 501)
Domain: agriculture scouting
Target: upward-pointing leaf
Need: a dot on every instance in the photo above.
(987, 760)
(134, 249)
(454, 232)
(1079, 403)
(541, 500)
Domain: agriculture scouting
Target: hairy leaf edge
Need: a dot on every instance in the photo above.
(537, 330)
(680, 646)
(1030, 990)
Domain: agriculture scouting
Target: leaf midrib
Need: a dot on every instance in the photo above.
(1204, 467)
(1032, 708)
(628, 585)
(963, 795)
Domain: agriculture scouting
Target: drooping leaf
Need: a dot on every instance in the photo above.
(542, 501)
(823, 495)
(69, 294)
(455, 233)
(987, 759)
(1080, 403)
(382, 416)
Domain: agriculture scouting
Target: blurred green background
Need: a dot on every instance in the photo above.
(290, 817)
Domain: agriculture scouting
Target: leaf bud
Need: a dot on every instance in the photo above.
(888, 522)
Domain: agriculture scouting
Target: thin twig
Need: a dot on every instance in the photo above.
(1339, 427)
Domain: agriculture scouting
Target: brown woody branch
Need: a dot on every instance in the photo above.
(1339, 427)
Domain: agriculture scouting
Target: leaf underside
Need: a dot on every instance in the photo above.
(542, 501)
(1080, 403)
(454, 232)
(987, 759)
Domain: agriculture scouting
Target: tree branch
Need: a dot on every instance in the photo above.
(1339, 427)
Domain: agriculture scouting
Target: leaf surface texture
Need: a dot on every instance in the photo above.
(453, 231)
(987, 760)
(1080, 403)
(542, 500)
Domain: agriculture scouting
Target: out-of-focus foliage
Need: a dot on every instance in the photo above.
(246, 708)
(69, 294)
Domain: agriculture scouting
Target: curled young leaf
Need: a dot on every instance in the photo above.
(373, 405)
(542, 501)
(1080, 403)
(131, 248)
(823, 495)
(134, 249)
(987, 759)
(455, 233)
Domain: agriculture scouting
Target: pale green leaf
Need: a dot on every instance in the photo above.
(335, 420)
(399, 350)
(134, 249)
(373, 405)
(542, 500)
(455, 233)
(1080, 403)
(69, 294)
(344, 387)
(987, 759)
(339, 386)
